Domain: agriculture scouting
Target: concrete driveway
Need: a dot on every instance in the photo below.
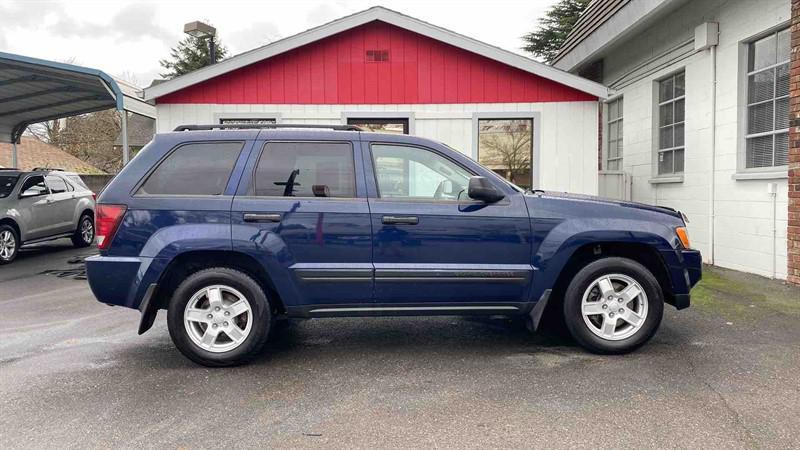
(73, 373)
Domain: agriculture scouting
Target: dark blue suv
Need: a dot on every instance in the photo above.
(230, 229)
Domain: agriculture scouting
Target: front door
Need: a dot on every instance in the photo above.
(303, 213)
(35, 208)
(63, 204)
(433, 244)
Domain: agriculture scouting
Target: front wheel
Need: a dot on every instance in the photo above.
(9, 244)
(613, 305)
(219, 317)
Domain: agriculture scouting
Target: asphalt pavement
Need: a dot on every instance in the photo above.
(74, 374)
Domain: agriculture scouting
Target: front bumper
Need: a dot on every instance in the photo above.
(685, 269)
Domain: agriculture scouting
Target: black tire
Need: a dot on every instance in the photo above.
(78, 240)
(573, 298)
(14, 249)
(261, 315)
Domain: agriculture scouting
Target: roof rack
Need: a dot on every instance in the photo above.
(239, 126)
(9, 168)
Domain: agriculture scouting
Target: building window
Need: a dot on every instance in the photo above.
(382, 125)
(767, 138)
(671, 109)
(247, 121)
(506, 147)
(614, 147)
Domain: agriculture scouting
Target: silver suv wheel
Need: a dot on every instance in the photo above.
(614, 307)
(218, 318)
(87, 230)
(8, 245)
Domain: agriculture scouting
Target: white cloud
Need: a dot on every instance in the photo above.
(250, 37)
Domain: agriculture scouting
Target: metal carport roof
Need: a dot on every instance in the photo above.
(35, 90)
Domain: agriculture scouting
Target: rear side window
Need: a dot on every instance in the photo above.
(194, 169)
(56, 184)
(78, 181)
(7, 184)
(306, 169)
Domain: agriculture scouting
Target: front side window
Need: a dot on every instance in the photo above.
(306, 169)
(34, 186)
(671, 113)
(767, 138)
(416, 173)
(7, 183)
(614, 146)
(506, 147)
(56, 184)
(194, 169)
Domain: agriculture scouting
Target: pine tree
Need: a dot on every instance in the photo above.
(554, 28)
(191, 54)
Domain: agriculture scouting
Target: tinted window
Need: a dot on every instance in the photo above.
(306, 169)
(194, 169)
(7, 184)
(417, 173)
(34, 186)
(56, 184)
(78, 181)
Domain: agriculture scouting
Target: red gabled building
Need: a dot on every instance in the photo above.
(382, 69)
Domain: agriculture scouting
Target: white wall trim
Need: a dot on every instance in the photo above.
(536, 158)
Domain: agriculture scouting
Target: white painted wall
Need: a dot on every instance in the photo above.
(567, 132)
(743, 208)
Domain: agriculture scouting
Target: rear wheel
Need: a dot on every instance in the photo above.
(613, 305)
(9, 244)
(84, 234)
(219, 317)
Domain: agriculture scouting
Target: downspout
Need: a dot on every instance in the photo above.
(14, 153)
(712, 187)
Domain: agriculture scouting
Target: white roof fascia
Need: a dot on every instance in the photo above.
(390, 17)
(614, 29)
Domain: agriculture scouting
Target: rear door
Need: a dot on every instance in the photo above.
(301, 210)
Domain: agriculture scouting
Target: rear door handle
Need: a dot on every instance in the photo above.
(400, 220)
(259, 217)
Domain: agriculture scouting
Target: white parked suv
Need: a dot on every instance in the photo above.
(42, 205)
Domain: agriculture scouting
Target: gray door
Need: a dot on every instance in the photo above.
(34, 208)
(63, 204)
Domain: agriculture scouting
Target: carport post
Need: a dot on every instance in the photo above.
(14, 153)
(124, 123)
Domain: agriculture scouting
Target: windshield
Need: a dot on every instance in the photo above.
(7, 183)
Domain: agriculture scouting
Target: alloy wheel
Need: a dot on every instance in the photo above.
(218, 318)
(614, 307)
(8, 245)
(87, 230)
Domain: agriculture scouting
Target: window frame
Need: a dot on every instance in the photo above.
(607, 130)
(135, 191)
(22, 186)
(658, 127)
(466, 201)
(250, 189)
(765, 172)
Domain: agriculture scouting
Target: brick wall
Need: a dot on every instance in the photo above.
(793, 230)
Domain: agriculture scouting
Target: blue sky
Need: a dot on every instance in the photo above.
(127, 38)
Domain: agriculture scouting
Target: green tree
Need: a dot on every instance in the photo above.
(191, 54)
(554, 28)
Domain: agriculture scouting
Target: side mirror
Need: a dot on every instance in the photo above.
(481, 189)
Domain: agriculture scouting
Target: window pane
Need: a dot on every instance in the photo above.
(680, 107)
(665, 89)
(417, 173)
(194, 169)
(306, 169)
(7, 183)
(620, 102)
(678, 160)
(505, 146)
(759, 118)
(665, 139)
(783, 46)
(248, 121)
(782, 113)
(34, 186)
(760, 86)
(56, 184)
(613, 131)
(612, 149)
(782, 81)
(680, 88)
(762, 53)
(665, 114)
(679, 135)
(759, 152)
(781, 149)
(665, 162)
(613, 165)
(613, 110)
(381, 125)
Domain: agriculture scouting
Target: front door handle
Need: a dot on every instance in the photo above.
(400, 220)
(260, 217)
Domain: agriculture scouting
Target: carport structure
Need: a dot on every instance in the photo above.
(35, 90)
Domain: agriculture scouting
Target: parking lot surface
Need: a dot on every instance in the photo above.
(73, 373)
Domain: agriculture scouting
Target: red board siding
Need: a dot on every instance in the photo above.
(336, 71)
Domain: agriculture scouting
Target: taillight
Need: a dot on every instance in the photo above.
(107, 219)
(94, 196)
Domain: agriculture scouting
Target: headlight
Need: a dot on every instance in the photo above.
(683, 235)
